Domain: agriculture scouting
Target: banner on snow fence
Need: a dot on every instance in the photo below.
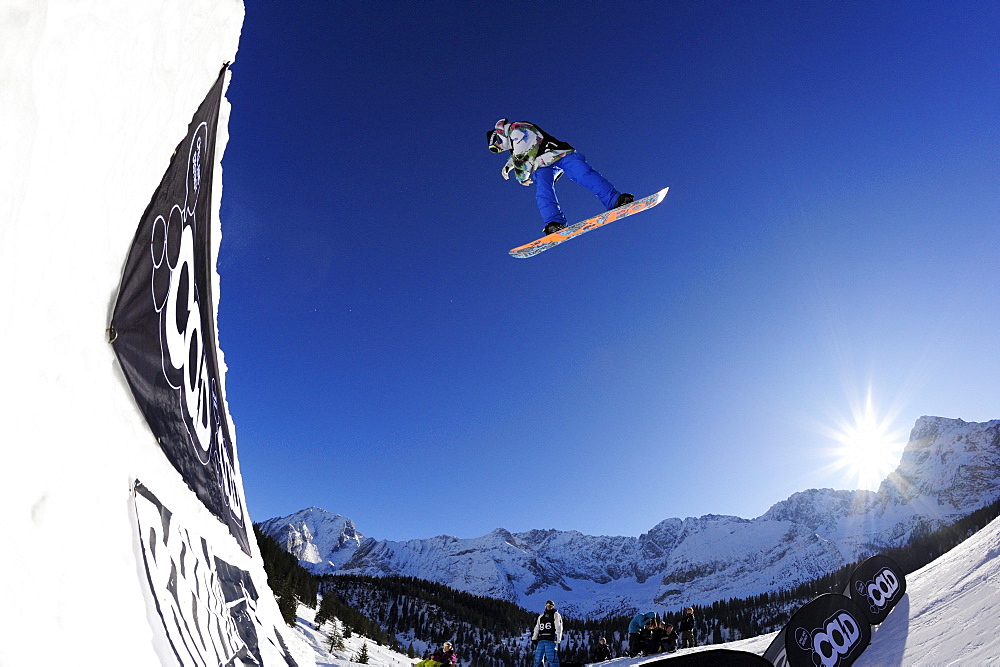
(775, 653)
(208, 607)
(163, 325)
(877, 585)
(831, 631)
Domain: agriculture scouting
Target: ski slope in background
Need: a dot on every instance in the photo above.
(947, 616)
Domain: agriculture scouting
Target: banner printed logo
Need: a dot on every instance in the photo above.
(163, 327)
(183, 349)
(176, 300)
(881, 590)
(208, 607)
(837, 638)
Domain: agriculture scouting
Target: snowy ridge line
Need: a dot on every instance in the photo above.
(375, 601)
(680, 562)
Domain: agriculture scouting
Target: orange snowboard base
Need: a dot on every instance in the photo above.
(567, 233)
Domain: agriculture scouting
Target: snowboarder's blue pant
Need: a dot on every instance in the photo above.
(546, 648)
(576, 168)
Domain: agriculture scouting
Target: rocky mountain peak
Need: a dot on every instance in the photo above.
(948, 469)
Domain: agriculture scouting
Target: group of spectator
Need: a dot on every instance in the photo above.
(648, 634)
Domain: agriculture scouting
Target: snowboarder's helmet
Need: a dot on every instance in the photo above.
(495, 137)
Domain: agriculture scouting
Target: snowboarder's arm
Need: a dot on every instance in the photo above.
(524, 139)
(525, 143)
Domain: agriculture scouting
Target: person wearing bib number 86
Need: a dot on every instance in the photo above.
(547, 635)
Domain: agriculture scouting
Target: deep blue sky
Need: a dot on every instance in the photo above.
(830, 234)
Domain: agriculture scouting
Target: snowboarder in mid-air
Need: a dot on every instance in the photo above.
(538, 157)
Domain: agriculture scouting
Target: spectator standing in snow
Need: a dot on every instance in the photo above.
(670, 639)
(635, 628)
(547, 635)
(686, 627)
(601, 651)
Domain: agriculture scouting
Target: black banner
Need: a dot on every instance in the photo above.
(876, 586)
(163, 326)
(208, 607)
(775, 653)
(831, 631)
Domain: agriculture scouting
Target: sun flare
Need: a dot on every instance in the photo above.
(868, 447)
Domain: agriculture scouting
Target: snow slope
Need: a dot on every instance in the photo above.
(948, 615)
(318, 639)
(96, 95)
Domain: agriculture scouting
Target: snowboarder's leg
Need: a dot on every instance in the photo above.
(539, 654)
(553, 657)
(576, 168)
(545, 195)
(547, 649)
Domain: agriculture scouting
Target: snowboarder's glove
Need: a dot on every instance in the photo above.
(505, 172)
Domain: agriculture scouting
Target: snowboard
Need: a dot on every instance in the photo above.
(567, 233)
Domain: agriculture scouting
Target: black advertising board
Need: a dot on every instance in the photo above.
(831, 630)
(208, 608)
(163, 325)
(877, 585)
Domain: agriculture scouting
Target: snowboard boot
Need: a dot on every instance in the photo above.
(553, 227)
(624, 198)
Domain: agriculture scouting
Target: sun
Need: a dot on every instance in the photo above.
(868, 448)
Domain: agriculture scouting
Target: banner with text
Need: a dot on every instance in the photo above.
(207, 606)
(877, 585)
(831, 631)
(163, 325)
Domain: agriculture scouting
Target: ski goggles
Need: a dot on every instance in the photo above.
(495, 141)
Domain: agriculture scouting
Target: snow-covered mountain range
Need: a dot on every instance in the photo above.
(948, 469)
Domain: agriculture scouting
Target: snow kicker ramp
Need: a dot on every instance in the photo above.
(127, 539)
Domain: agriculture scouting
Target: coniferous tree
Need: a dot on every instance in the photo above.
(288, 605)
(327, 610)
(335, 640)
(284, 574)
(362, 656)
